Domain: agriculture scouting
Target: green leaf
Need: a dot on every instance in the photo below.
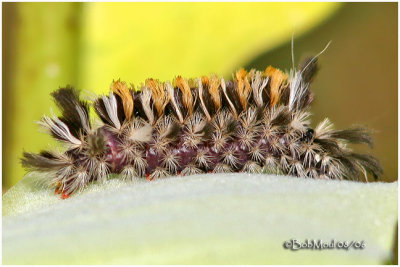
(204, 219)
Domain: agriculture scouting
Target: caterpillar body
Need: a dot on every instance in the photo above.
(256, 122)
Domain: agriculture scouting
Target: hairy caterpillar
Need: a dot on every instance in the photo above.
(256, 122)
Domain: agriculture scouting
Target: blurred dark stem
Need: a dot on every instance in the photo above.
(9, 22)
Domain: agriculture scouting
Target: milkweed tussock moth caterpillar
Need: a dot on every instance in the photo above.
(256, 122)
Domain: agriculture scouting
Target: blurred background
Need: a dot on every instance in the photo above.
(87, 45)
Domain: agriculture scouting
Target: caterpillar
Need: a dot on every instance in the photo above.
(259, 121)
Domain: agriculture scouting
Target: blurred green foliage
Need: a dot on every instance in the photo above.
(87, 45)
(142, 40)
(40, 54)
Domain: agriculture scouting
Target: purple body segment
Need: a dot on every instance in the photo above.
(185, 155)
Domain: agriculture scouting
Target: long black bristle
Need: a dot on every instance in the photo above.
(358, 135)
(67, 100)
(45, 161)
